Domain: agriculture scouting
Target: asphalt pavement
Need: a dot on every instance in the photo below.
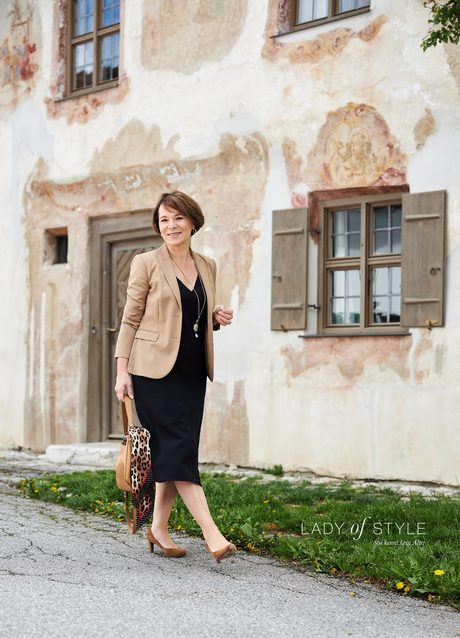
(67, 573)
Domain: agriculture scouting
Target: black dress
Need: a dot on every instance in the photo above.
(171, 408)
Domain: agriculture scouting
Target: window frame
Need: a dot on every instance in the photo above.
(364, 262)
(92, 36)
(332, 15)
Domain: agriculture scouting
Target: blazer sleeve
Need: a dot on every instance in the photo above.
(215, 326)
(136, 295)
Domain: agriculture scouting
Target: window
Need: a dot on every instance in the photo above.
(93, 60)
(56, 246)
(380, 269)
(360, 272)
(318, 11)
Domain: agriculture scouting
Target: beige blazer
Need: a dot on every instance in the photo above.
(151, 324)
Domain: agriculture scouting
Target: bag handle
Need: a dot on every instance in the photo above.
(127, 413)
(132, 526)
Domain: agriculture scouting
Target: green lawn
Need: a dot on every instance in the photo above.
(410, 544)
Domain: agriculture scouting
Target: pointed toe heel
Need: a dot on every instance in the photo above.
(225, 552)
(173, 552)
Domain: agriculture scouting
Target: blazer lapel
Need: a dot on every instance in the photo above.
(170, 274)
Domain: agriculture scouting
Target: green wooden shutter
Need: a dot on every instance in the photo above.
(289, 269)
(423, 259)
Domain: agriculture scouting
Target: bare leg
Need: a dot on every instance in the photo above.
(194, 498)
(165, 495)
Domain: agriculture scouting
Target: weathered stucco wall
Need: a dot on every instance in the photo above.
(246, 124)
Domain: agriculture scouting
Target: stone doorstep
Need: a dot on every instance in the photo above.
(99, 454)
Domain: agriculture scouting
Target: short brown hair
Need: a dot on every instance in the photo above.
(182, 203)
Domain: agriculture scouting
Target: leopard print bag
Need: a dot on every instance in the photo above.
(133, 470)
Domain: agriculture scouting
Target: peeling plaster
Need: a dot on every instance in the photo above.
(180, 35)
(229, 186)
(354, 148)
(314, 49)
(225, 434)
(78, 108)
(423, 128)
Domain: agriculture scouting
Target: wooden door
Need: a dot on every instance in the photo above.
(114, 243)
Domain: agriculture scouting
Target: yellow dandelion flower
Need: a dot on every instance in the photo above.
(53, 488)
(406, 588)
(439, 572)
(179, 527)
(96, 510)
(231, 529)
(399, 585)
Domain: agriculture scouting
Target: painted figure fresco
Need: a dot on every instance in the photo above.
(18, 50)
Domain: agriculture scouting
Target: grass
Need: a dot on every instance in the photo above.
(409, 544)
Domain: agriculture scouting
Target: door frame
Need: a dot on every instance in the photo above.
(103, 231)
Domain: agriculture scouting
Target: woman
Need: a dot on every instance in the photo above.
(164, 355)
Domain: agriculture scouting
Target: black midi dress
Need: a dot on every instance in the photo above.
(171, 408)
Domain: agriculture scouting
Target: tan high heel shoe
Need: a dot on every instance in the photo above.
(174, 552)
(225, 552)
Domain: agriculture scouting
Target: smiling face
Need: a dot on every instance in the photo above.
(175, 228)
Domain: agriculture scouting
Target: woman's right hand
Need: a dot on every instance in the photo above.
(123, 383)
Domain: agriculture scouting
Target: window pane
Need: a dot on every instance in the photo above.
(396, 216)
(110, 12)
(381, 281)
(354, 221)
(381, 217)
(386, 301)
(350, 5)
(312, 10)
(395, 312)
(79, 80)
(396, 241)
(387, 228)
(339, 246)
(353, 310)
(354, 283)
(338, 283)
(346, 234)
(339, 222)
(353, 245)
(109, 57)
(345, 296)
(83, 67)
(338, 310)
(380, 308)
(83, 12)
(80, 55)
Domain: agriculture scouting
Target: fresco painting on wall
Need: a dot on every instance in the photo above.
(355, 148)
(17, 51)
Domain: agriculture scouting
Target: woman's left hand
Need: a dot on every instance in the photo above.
(222, 315)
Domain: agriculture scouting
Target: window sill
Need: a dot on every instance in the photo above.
(317, 23)
(380, 333)
(96, 89)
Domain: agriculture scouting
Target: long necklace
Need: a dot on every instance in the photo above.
(200, 310)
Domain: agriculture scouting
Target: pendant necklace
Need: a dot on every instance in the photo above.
(200, 309)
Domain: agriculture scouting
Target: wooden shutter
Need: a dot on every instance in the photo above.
(289, 269)
(423, 259)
